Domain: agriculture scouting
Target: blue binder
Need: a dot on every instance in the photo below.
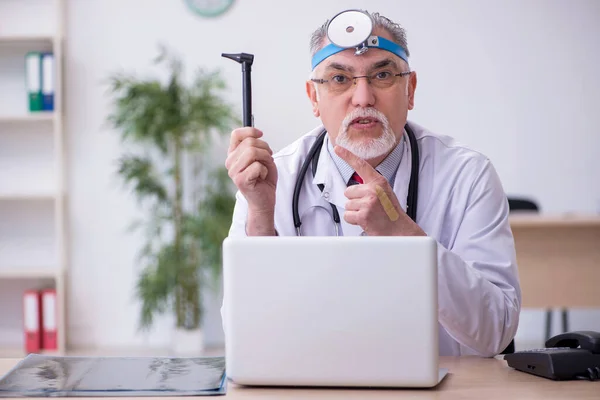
(48, 81)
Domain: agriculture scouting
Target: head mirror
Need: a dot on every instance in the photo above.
(349, 28)
(353, 29)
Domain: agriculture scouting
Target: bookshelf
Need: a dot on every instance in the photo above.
(8, 41)
(28, 272)
(37, 117)
(33, 236)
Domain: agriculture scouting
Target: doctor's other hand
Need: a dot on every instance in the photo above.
(373, 205)
(251, 166)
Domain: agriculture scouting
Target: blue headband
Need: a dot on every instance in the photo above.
(373, 42)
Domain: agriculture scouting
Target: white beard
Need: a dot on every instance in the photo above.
(371, 148)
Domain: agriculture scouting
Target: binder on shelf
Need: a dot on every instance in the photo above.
(32, 321)
(33, 78)
(48, 81)
(49, 320)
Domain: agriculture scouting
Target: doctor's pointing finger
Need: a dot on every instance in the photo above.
(373, 205)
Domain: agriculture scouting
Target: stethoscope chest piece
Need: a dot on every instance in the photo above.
(312, 215)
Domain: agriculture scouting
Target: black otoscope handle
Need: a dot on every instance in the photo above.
(247, 93)
(246, 60)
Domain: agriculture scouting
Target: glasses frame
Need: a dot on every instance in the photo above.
(355, 78)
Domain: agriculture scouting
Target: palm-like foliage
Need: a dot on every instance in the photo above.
(172, 122)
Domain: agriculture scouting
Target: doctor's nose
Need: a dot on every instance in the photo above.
(363, 94)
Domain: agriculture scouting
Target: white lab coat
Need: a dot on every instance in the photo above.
(461, 203)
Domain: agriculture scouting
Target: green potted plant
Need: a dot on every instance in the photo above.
(171, 127)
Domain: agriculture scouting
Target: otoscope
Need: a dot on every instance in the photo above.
(246, 60)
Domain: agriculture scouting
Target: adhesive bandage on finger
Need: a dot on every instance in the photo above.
(385, 201)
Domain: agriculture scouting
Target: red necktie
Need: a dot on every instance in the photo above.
(356, 178)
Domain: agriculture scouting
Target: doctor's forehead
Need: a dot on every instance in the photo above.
(372, 59)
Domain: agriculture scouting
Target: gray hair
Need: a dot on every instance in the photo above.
(318, 38)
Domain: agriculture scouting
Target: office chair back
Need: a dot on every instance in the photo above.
(519, 204)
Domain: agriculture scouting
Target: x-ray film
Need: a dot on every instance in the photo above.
(51, 376)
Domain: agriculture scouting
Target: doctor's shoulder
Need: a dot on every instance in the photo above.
(452, 161)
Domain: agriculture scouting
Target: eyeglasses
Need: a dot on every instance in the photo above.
(338, 83)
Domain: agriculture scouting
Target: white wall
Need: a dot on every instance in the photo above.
(515, 79)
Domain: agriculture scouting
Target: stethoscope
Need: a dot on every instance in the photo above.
(312, 160)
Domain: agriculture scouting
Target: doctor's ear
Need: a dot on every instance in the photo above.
(313, 96)
(411, 87)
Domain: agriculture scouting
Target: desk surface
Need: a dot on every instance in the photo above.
(469, 378)
(527, 219)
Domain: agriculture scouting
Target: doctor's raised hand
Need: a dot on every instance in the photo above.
(251, 167)
(373, 205)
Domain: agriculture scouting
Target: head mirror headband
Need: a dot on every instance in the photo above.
(353, 28)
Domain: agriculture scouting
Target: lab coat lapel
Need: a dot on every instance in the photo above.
(402, 179)
(328, 175)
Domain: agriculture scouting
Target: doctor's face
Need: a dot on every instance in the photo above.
(366, 118)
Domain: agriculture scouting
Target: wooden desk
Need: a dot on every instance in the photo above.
(558, 259)
(469, 378)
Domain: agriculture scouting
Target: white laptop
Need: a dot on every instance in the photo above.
(331, 311)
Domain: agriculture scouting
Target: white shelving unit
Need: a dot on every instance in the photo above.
(33, 237)
(37, 117)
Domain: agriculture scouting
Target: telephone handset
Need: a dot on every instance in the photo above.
(571, 355)
(587, 340)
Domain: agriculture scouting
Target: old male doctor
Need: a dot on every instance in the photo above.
(364, 169)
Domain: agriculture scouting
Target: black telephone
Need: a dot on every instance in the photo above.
(567, 356)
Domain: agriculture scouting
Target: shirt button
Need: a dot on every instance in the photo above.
(326, 195)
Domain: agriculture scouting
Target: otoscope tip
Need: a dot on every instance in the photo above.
(240, 57)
